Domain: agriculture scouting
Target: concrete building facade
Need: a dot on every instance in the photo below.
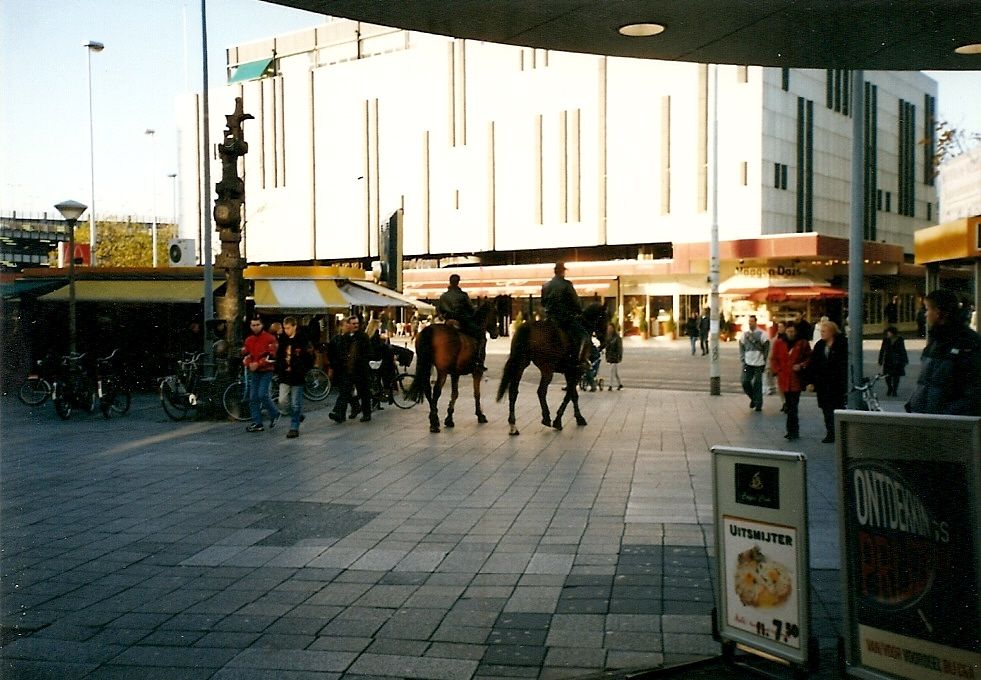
(505, 155)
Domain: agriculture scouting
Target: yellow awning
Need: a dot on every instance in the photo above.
(299, 295)
(133, 291)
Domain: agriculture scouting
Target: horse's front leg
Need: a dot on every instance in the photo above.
(434, 400)
(454, 393)
(572, 394)
(477, 378)
(542, 393)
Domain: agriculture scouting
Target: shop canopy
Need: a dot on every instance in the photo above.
(314, 295)
(778, 288)
(133, 291)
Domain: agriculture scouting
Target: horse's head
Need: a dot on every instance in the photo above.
(485, 317)
(595, 319)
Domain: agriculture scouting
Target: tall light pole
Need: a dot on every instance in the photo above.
(153, 187)
(90, 47)
(173, 197)
(71, 211)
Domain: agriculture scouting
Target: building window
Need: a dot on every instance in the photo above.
(907, 158)
(785, 79)
(779, 176)
(870, 167)
(888, 201)
(929, 210)
(805, 168)
(929, 140)
(838, 90)
(872, 307)
(878, 199)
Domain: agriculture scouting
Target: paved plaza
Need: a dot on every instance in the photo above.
(143, 548)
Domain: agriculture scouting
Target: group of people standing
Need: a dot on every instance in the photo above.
(950, 373)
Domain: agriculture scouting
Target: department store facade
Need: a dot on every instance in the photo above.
(506, 159)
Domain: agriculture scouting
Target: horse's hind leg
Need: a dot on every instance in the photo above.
(454, 393)
(573, 393)
(542, 392)
(512, 398)
(477, 377)
(434, 401)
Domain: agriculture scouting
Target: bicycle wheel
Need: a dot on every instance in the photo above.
(236, 401)
(116, 402)
(63, 408)
(400, 391)
(173, 399)
(317, 385)
(34, 391)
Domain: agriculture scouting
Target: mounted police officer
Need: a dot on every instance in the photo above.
(561, 303)
(455, 305)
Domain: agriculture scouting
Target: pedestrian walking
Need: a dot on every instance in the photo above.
(294, 357)
(921, 324)
(614, 355)
(781, 335)
(704, 324)
(349, 366)
(788, 359)
(950, 368)
(893, 360)
(754, 347)
(691, 330)
(259, 359)
(827, 371)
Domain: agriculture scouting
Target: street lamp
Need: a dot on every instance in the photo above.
(173, 197)
(153, 184)
(92, 46)
(71, 211)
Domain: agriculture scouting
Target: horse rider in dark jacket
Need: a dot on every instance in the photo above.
(950, 368)
(561, 303)
(455, 305)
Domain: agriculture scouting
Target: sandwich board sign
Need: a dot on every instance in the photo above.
(762, 551)
(910, 527)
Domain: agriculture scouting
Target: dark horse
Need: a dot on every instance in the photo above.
(451, 352)
(548, 347)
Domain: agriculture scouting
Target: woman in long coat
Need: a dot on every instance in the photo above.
(827, 371)
(788, 359)
(893, 360)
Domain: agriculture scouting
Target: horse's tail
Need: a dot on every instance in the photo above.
(424, 364)
(520, 345)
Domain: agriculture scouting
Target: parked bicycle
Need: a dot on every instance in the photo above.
(36, 388)
(73, 386)
(112, 386)
(179, 392)
(867, 391)
(403, 381)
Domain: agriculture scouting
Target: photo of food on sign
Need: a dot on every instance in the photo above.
(759, 581)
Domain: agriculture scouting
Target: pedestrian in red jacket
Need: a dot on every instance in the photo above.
(787, 360)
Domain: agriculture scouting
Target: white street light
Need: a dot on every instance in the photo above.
(153, 186)
(173, 197)
(90, 47)
(71, 211)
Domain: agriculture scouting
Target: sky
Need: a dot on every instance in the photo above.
(153, 54)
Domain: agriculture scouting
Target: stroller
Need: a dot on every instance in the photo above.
(590, 380)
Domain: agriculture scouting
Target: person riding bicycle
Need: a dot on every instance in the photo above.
(455, 305)
(561, 303)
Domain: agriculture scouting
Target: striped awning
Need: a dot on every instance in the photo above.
(310, 296)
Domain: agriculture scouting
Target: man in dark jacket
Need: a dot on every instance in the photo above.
(704, 323)
(950, 368)
(349, 365)
(455, 305)
(561, 303)
(294, 357)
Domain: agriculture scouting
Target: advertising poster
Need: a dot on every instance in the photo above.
(761, 589)
(911, 546)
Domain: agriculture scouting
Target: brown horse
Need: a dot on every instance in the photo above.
(452, 353)
(548, 347)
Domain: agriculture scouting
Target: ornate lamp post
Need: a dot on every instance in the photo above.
(71, 211)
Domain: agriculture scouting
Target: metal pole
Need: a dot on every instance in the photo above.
(91, 47)
(715, 367)
(856, 262)
(209, 303)
(173, 198)
(153, 190)
(72, 332)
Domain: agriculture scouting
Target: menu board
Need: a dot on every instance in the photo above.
(761, 542)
